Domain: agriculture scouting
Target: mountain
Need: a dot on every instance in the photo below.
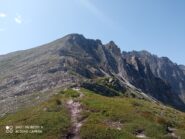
(77, 61)
(162, 67)
(79, 88)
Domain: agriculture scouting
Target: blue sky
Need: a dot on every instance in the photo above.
(157, 26)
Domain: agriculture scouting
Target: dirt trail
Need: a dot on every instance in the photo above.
(75, 108)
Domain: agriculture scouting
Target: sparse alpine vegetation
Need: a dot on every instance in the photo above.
(101, 117)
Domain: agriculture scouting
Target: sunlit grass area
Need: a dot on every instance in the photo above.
(103, 118)
(131, 115)
(52, 115)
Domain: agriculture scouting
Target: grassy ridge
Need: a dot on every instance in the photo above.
(103, 113)
(103, 118)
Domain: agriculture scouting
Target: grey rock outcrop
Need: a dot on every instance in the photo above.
(74, 59)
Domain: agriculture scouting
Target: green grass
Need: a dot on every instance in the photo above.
(52, 115)
(133, 114)
(70, 93)
(100, 115)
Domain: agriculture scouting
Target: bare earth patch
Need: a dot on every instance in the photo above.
(75, 109)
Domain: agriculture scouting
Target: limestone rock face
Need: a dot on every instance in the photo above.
(163, 68)
(74, 59)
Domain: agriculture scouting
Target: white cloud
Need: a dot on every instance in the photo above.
(18, 19)
(2, 15)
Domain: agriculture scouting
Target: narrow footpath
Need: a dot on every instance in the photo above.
(75, 109)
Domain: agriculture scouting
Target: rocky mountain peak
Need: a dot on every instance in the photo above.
(113, 48)
(74, 58)
(144, 52)
(74, 36)
(99, 41)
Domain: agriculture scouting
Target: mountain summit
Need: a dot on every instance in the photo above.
(76, 61)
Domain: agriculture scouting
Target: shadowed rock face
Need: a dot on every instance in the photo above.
(171, 73)
(182, 67)
(73, 59)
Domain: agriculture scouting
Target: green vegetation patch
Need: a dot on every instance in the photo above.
(102, 117)
(110, 118)
(52, 115)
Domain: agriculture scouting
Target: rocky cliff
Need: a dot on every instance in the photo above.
(74, 59)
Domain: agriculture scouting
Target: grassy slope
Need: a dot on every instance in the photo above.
(100, 115)
(132, 114)
(52, 115)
